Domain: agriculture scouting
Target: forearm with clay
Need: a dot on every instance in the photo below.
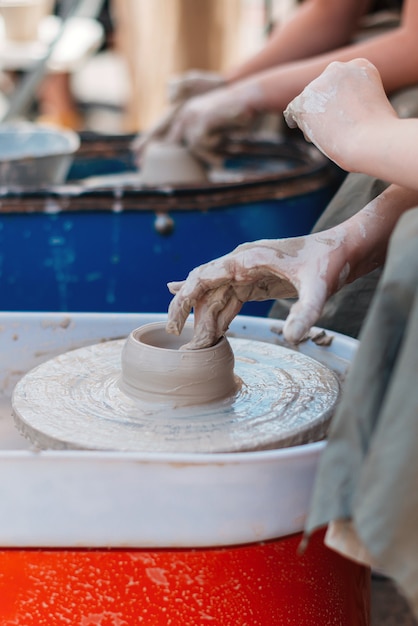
(366, 234)
(356, 247)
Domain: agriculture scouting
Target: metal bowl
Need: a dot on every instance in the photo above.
(35, 155)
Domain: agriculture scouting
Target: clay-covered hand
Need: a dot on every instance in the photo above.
(201, 123)
(310, 268)
(342, 109)
(182, 87)
(157, 132)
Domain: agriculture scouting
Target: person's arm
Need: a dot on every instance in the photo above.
(346, 114)
(315, 27)
(312, 268)
(202, 121)
(395, 55)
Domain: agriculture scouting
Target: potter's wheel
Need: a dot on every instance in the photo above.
(75, 401)
(249, 161)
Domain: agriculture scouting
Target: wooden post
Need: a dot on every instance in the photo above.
(160, 38)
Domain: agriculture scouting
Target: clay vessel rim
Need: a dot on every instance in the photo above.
(160, 326)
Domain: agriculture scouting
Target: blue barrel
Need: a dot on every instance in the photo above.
(75, 248)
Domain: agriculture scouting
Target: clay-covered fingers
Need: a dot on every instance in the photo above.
(192, 83)
(206, 120)
(175, 286)
(253, 271)
(298, 111)
(306, 109)
(159, 131)
(212, 315)
(178, 311)
(339, 108)
(289, 113)
(200, 281)
(195, 129)
(202, 144)
(306, 311)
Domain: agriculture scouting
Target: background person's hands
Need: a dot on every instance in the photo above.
(157, 132)
(203, 122)
(310, 268)
(342, 109)
(182, 87)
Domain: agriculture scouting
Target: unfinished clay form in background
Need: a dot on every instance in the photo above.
(170, 163)
(154, 368)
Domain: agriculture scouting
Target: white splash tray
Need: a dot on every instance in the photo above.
(95, 499)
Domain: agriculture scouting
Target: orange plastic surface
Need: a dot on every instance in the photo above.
(256, 585)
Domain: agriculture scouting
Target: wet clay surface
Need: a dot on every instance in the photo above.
(10, 437)
(76, 401)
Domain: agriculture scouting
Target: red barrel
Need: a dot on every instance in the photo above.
(263, 584)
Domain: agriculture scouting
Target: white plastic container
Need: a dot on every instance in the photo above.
(143, 499)
(179, 539)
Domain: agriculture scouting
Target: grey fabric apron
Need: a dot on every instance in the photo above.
(368, 475)
(368, 472)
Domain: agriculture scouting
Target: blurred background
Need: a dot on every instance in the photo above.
(103, 65)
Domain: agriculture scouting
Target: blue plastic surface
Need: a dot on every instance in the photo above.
(118, 262)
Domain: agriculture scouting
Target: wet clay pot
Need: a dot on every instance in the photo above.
(170, 163)
(156, 368)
